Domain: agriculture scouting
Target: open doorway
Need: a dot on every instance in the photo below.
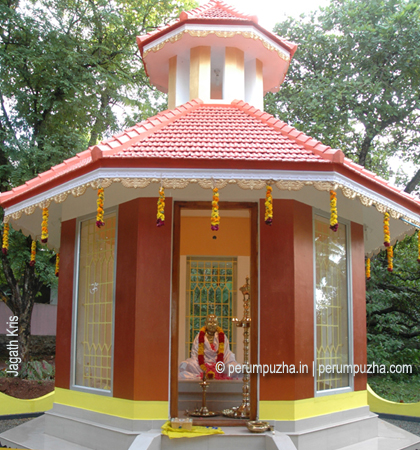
(208, 270)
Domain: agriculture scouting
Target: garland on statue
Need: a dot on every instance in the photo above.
(268, 206)
(44, 226)
(5, 245)
(161, 208)
(220, 352)
(100, 208)
(215, 218)
(333, 211)
(387, 237)
(368, 269)
(390, 257)
(57, 264)
(33, 254)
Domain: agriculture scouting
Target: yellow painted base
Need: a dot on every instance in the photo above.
(311, 407)
(127, 409)
(380, 405)
(10, 405)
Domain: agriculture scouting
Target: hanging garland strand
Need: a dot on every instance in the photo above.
(161, 208)
(333, 211)
(44, 225)
(268, 206)
(215, 218)
(418, 241)
(387, 237)
(390, 257)
(368, 269)
(33, 254)
(100, 208)
(57, 264)
(5, 245)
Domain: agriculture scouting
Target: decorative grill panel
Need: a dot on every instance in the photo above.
(95, 304)
(332, 328)
(211, 289)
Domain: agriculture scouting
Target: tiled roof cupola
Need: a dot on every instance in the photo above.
(216, 54)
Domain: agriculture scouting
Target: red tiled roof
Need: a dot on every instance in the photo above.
(196, 134)
(219, 13)
(236, 131)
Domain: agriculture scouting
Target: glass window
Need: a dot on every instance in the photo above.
(95, 298)
(331, 306)
(211, 289)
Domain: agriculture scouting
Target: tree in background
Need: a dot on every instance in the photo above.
(70, 74)
(354, 82)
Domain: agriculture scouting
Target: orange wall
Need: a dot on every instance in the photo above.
(142, 302)
(232, 238)
(286, 299)
(359, 302)
(65, 304)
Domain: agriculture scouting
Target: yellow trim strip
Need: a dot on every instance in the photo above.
(12, 405)
(380, 405)
(311, 407)
(128, 409)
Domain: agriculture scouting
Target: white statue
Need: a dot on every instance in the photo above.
(215, 347)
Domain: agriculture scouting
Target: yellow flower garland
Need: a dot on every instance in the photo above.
(5, 246)
(57, 264)
(215, 218)
(100, 208)
(333, 211)
(368, 269)
(390, 257)
(44, 226)
(418, 241)
(33, 253)
(268, 206)
(387, 237)
(161, 208)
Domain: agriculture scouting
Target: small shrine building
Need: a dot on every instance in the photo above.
(295, 216)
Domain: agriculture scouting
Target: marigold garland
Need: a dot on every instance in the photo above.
(390, 257)
(418, 241)
(268, 206)
(33, 253)
(387, 237)
(368, 269)
(44, 225)
(220, 352)
(57, 264)
(5, 245)
(100, 208)
(333, 211)
(215, 218)
(161, 208)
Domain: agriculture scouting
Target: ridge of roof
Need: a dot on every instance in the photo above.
(307, 142)
(214, 6)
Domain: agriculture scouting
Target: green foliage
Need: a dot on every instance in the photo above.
(402, 389)
(37, 370)
(354, 82)
(393, 308)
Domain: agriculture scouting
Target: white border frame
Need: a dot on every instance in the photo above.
(73, 385)
(350, 388)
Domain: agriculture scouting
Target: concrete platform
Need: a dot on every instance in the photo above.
(68, 428)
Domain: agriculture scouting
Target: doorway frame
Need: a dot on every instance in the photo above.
(254, 258)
